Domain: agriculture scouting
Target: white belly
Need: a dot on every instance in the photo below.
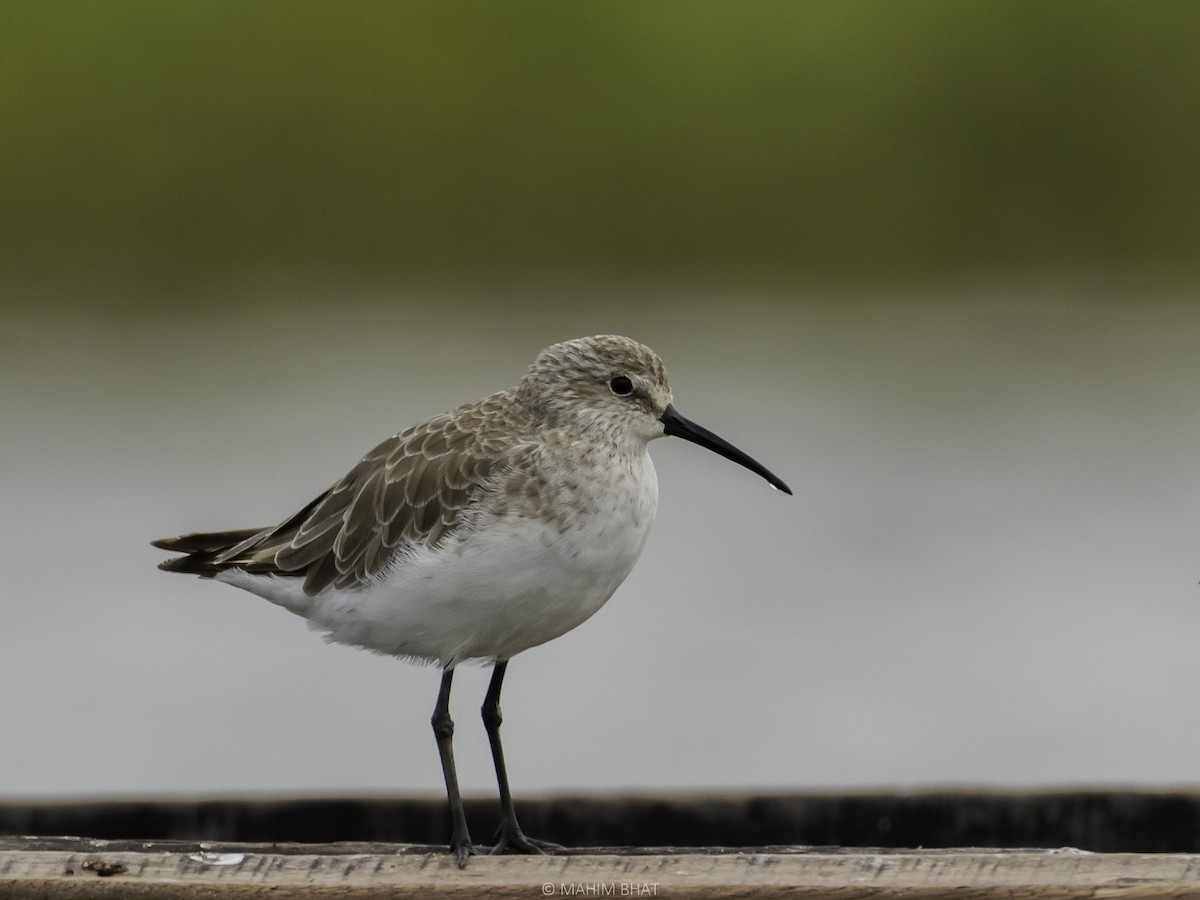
(505, 587)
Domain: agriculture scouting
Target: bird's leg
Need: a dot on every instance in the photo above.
(509, 836)
(443, 730)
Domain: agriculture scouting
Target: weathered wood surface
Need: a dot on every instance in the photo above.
(76, 868)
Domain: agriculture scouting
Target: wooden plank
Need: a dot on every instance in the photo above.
(1116, 821)
(73, 868)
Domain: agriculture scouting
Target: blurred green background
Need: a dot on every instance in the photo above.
(860, 142)
(934, 263)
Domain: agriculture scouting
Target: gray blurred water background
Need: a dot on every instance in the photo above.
(934, 263)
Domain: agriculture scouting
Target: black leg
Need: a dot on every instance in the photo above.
(443, 730)
(509, 836)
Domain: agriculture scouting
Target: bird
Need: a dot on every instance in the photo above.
(477, 534)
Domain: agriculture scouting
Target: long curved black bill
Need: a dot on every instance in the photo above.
(677, 426)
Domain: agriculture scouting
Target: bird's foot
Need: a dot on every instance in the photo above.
(463, 849)
(511, 839)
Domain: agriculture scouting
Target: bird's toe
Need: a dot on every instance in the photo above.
(513, 840)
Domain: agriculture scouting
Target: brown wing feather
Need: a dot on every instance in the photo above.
(414, 488)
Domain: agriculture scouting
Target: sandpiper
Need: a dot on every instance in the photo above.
(477, 534)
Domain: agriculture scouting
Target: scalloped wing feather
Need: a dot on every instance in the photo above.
(415, 488)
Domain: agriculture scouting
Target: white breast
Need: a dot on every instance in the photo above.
(509, 584)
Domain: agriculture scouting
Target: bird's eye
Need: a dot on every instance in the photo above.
(621, 386)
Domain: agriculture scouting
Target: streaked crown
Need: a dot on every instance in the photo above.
(606, 381)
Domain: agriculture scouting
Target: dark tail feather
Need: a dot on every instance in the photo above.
(202, 549)
(205, 541)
